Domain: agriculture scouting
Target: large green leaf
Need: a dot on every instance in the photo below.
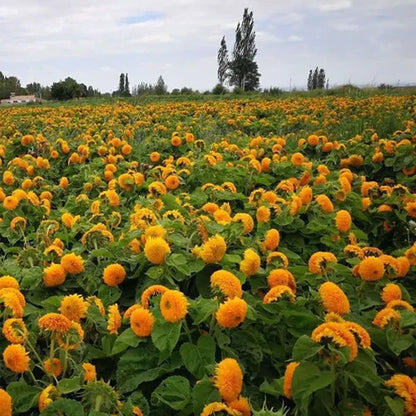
(24, 396)
(174, 391)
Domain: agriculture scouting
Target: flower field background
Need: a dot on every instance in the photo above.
(243, 257)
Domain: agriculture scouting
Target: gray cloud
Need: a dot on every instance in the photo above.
(95, 40)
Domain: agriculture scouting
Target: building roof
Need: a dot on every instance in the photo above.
(23, 97)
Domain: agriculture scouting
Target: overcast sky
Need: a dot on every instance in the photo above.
(93, 41)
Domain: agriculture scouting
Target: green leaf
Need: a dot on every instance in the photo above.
(307, 379)
(175, 392)
(397, 342)
(165, 335)
(69, 385)
(275, 387)
(68, 407)
(305, 348)
(140, 365)
(126, 339)
(24, 397)
(192, 359)
(206, 347)
(396, 405)
(203, 393)
(202, 309)
(155, 272)
(176, 259)
(109, 295)
(32, 278)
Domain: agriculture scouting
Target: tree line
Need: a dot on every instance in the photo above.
(62, 90)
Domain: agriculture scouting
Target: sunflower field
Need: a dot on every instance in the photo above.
(242, 257)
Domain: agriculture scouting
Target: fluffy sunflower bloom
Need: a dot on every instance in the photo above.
(251, 263)
(114, 319)
(360, 332)
(288, 377)
(229, 379)
(385, 316)
(343, 221)
(93, 300)
(69, 220)
(54, 275)
(281, 277)
(114, 274)
(324, 203)
(90, 373)
(334, 299)
(53, 367)
(213, 250)
(72, 263)
(173, 305)
(337, 333)
(5, 403)
(263, 214)
(272, 239)
(371, 269)
(241, 405)
(151, 291)
(391, 292)
(74, 307)
(318, 262)
(54, 322)
(47, 396)
(246, 220)
(13, 300)
(216, 407)
(232, 313)
(398, 303)
(227, 283)
(141, 321)
(156, 250)
(278, 259)
(8, 281)
(404, 266)
(15, 331)
(10, 203)
(277, 292)
(16, 358)
(404, 387)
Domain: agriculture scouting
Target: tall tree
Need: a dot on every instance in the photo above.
(121, 85)
(160, 88)
(222, 59)
(321, 79)
(127, 86)
(315, 79)
(243, 69)
(310, 80)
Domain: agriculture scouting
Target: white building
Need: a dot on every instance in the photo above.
(19, 99)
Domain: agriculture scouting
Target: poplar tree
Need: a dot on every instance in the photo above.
(121, 85)
(244, 72)
(222, 59)
(127, 86)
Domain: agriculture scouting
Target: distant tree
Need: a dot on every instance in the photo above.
(67, 90)
(121, 85)
(316, 79)
(9, 85)
(321, 79)
(160, 88)
(219, 90)
(310, 81)
(127, 86)
(243, 69)
(222, 59)
(327, 84)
